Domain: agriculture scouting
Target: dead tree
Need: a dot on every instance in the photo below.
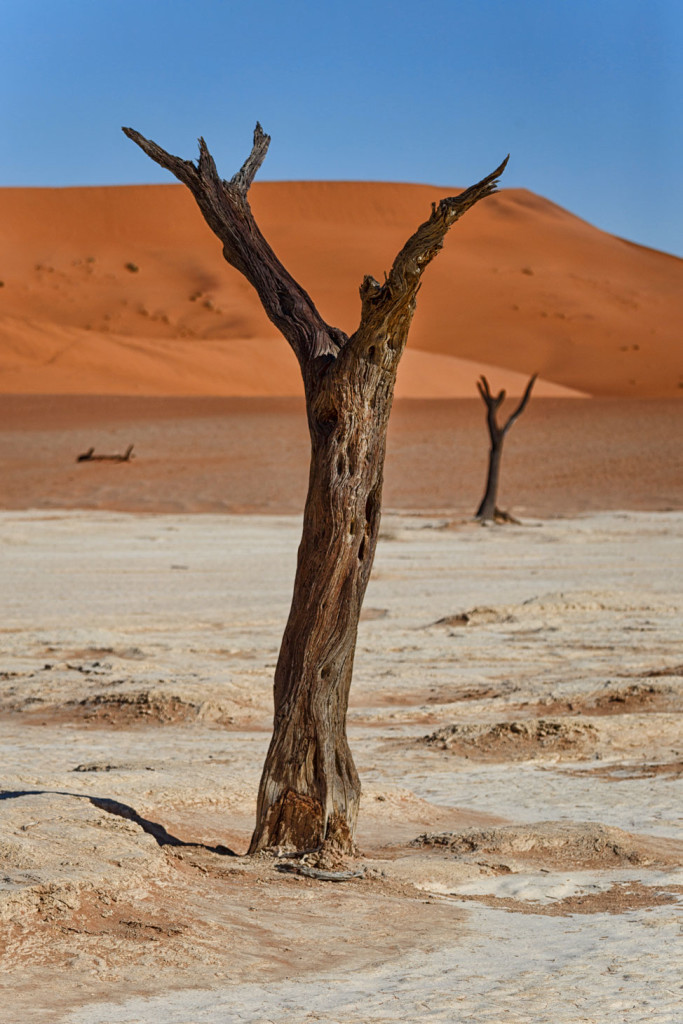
(488, 510)
(309, 789)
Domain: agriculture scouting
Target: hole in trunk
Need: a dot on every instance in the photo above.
(340, 465)
(371, 353)
(371, 508)
(327, 420)
(361, 550)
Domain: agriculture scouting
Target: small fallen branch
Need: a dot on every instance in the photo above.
(319, 874)
(90, 456)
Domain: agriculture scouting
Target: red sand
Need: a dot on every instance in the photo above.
(251, 455)
(124, 290)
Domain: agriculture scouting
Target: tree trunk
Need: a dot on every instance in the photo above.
(488, 507)
(310, 789)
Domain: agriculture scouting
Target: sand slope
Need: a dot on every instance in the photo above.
(124, 290)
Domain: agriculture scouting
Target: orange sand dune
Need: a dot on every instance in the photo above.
(123, 290)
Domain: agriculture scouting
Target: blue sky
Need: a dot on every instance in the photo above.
(586, 96)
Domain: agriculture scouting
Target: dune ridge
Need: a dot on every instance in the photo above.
(123, 290)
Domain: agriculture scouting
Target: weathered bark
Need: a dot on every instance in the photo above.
(488, 510)
(310, 790)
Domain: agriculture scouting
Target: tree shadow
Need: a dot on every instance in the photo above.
(121, 810)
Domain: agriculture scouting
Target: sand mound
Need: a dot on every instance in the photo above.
(123, 290)
(124, 710)
(636, 698)
(105, 692)
(524, 740)
(124, 707)
(558, 845)
(556, 607)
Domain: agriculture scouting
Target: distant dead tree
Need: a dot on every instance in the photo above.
(488, 510)
(309, 790)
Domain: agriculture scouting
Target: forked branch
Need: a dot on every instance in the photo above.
(522, 405)
(494, 402)
(184, 170)
(226, 210)
(247, 172)
(204, 173)
(386, 309)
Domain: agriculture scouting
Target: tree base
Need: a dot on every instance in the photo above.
(296, 823)
(499, 516)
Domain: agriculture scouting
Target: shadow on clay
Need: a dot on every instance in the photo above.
(157, 831)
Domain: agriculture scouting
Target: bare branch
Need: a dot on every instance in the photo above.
(184, 170)
(493, 402)
(420, 249)
(484, 389)
(206, 164)
(246, 174)
(522, 405)
(427, 241)
(455, 206)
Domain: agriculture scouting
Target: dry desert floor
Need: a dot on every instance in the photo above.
(515, 718)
